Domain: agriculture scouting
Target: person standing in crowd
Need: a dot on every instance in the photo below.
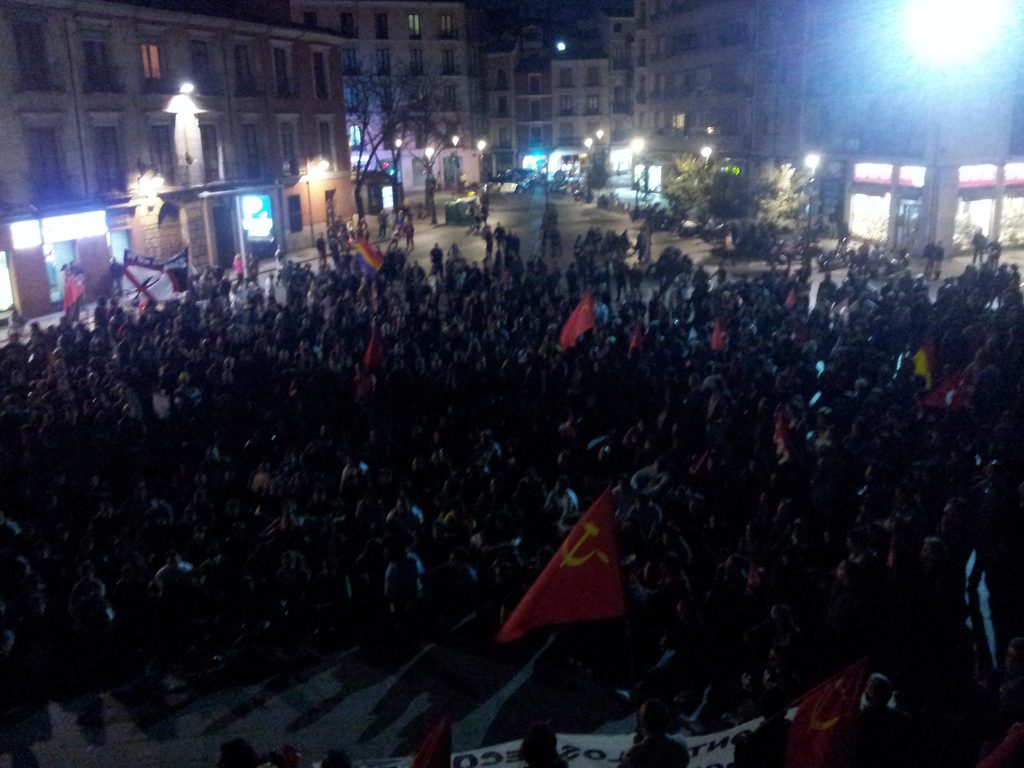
(656, 749)
(978, 243)
(321, 252)
(238, 267)
(382, 224)
(437, 260)
(409, 231)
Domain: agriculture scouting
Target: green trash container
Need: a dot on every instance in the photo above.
(455, 213)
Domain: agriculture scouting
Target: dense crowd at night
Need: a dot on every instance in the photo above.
(231, 475)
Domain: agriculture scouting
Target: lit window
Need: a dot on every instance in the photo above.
(414, 26)
(151, 61)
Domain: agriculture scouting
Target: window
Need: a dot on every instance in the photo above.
(503, 106)
(161, 150)
(593, 104)
(97, 64)
(593, 76)
(534, 84)
(449, 98)
(326, 136)
(447, 61)
(355, 137)
(565, 78)
(565, 132)
(211, 151)
(107, 153)
(502, 80)
(282, 69)
(349, 61)
(565, 105)
(535, 110)
(447, 26)
(536, 135)
(414, 26)
(347, 24)
(416, 61)
(380, 25)
(504, 136)
(151, 61)
(320, 75)
(202, 71)
(383, 61)
(245, 82)
(253, 156)
(679, 121)
(289, 150)
(30, 51)
(294, 213)
(309, 19)
(45, 158)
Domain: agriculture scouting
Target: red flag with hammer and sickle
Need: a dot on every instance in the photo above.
(581, 583)
(824, 731)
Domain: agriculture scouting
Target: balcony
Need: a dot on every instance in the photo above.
(451, 71)
(621, 108)
(247, 88)
(451, 34)
(620, 63)
(101, 81)
(566, 112)
(592, 111)
(163, 85)
(567, 141)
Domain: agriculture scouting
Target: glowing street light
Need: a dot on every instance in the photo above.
(637, 145)
(398, 143)
(600, 134)
(947, 33)
(812, 161)
(705, 152)
(481, 145)
(560, 46)
(186, 89)
(455, 141)
(429, 152)
(588, 143)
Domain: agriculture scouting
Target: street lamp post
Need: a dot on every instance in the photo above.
(481, 146)
(637, 145)
(431, 183)
(399, 191)
(705, 152)
(811, 162)
(588, 143)
(455, 154)
(313, 172)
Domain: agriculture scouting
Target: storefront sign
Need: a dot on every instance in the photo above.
(912, 176)
(977, 175)
(74, 226)
(1014, 173)
(26, 234)
(873, 173)
(257, 218)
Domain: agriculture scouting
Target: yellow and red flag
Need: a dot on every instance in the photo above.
(582, 582)
(824, 731)
(924, 364)
(370, 255)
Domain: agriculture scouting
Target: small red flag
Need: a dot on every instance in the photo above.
(74, 289)
(719, 337)
(373, 357)
(950, 394)
(1009, 753)
(436, 749)
(638, 340)
(580, 321)
(581, 583)
(791, 298)
(824, 731)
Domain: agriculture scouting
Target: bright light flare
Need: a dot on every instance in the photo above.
(946, 33)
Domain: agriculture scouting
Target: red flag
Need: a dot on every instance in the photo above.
(791, 298)
(783, 436)
(373, 357)
(824, 731)
(436, 749)
(1009, 753)
(719, 337)
(951, 393)
(638, 340)
(580, 321)
(581, 583)
(74, 289)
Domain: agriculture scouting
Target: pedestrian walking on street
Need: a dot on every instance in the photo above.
(410, 230)
(382, 224)
(488, 237)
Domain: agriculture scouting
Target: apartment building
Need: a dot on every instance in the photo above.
(909, 152)
(402, 39)
(128, 128)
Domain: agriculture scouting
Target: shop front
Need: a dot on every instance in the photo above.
(1011, 223)
(886, 204)
(35, 253)
(976, 203)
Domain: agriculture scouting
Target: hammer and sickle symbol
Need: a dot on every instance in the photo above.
(573, 558)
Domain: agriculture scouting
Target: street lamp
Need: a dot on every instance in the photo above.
(314, 172)
(946, 34)
(811, 162)
(431, 183)
(705, 152)
(637, 145)
(396, 156)
(480, 147)
(588, 143)
(600, 134)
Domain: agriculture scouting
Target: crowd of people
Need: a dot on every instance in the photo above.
(234, 476)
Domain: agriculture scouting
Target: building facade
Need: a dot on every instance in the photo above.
(413, 44)
(910, 153)
(127, 128)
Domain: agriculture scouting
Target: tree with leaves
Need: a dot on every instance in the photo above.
(687, 187)
(781, 196)
(597, 170)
